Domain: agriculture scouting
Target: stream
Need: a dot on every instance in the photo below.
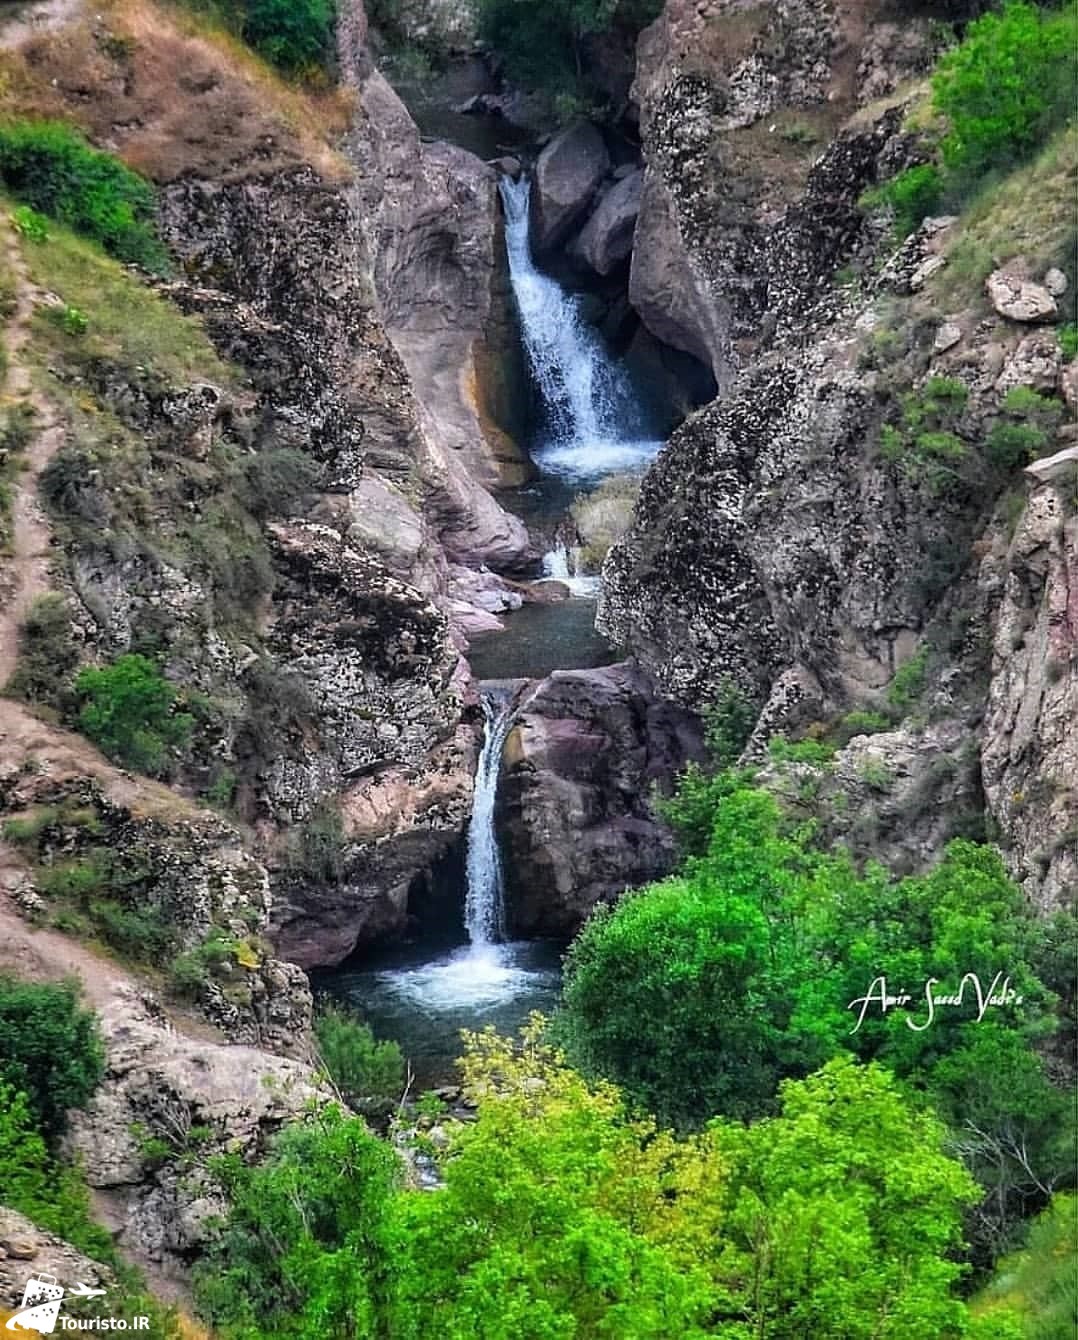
(463, 973)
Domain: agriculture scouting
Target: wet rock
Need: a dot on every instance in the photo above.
(567, 175)
(575, 807)
(1020, 299)
(607, 237)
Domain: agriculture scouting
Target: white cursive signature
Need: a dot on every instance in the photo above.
(999, 993)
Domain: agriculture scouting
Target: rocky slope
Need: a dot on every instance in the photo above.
(775, 540)
(353, 301)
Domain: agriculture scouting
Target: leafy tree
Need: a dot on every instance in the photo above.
(296, 35)
(715, 960)
(367, 1072)
(50, 1050)
(844, 1214)
(52, 167)
(1008, 84)
(728, 722)
(31, 1182)
(307, 1250)
(128, 710)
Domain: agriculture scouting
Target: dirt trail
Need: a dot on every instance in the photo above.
(26, 570)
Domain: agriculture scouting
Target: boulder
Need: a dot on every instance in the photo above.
(607, 237)
(575, 805)
(1020, 299)
(567, 176)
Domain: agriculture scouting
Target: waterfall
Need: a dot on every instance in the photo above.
(484, 904)
(592, 420)
(561, 564)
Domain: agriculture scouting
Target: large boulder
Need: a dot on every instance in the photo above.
(567, 175)
(1020, 299)
(607, 237)
(575, 806)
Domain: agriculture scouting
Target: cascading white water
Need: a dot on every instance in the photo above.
(593, 423)
(561, 564)
(484, 904)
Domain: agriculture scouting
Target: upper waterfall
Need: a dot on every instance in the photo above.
(592, 421)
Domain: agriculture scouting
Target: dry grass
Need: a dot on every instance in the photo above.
(603, 516)
(171, 95)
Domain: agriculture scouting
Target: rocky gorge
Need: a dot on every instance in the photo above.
(363, 334)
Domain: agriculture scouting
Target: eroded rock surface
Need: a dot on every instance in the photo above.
(575, 802)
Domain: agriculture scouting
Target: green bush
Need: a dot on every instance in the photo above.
(1025, 429)
(1068, 340)
(908, 682)
(50, 1050)
(31, 225)
(48, 656)
(50, 1194)
(912, 196)
(367, 1072)
(924, 443)
(817, 753)
(728, 723)
(1006, 87)
(544, 45)
(860, 722)
(51, 166)
(128, 709)
(295, 35)
(276, 481)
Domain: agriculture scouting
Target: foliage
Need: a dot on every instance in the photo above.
(714, 960)
(317, 849)
(275, 481)
(1024, 431)
(1038, 1285)
(30, 225)
(51, 1195)
(306, 1249)
(1006, 87)
(51, 166)
(50, 1050)
(544, 45)
(844, 1213)
(48, 656)
(912, 196)
(366, 1072)
(563, 1214)
(728, 722)
(816, 753)
(190, 970)
(295, 35)
(128, 709)
(908, 682)
(1068, 340)
(860, 722)
(924, 443)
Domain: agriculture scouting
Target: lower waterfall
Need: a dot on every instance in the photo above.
(484, 903)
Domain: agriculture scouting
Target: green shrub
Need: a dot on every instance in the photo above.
(728, 723)
(50, 1050)
(912, 196)
(276, 481)
(924, 443)
(1025, 429)
(31, 225)
(860, 722)
(317, 849)
(367, 1072)
(1006, 87)
(908, 682)
(128, 709)
(1068, 340)
(51, 1195)
(48, 656)
(51, 166)
(295, 35)
(817, 753)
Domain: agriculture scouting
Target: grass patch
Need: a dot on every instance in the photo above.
(52, 168)
(127, 324)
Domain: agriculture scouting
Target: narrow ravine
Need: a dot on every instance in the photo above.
(462, 970)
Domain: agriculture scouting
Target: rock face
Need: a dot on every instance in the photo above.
(575, 807)
(567, 175)
(1029, 757)
(27, 1250)
(607, 237)
(794, 535)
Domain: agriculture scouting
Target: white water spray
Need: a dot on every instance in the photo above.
(484, 904)
(593, 421)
